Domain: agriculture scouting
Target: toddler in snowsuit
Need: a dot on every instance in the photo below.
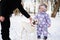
(43, 22)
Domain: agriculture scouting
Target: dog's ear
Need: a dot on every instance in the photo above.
(16, 11)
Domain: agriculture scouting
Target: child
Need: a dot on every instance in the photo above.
(43, 22)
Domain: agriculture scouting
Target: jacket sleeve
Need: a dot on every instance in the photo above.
(2, 4)
(48, 20)
(0, 8)
(20, 7)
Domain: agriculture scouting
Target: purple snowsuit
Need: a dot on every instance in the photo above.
(44, 22)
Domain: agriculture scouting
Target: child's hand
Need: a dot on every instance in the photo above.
(34, 24)
(49, 25)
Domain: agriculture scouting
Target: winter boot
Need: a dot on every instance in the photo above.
(45, 38)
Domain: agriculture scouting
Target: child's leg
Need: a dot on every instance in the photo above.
(39, 32)
(45, 33)
(45, 37)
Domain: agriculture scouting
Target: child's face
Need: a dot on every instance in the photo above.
(42, 9)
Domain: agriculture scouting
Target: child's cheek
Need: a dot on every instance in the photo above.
(41, 10)
(44, 9)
